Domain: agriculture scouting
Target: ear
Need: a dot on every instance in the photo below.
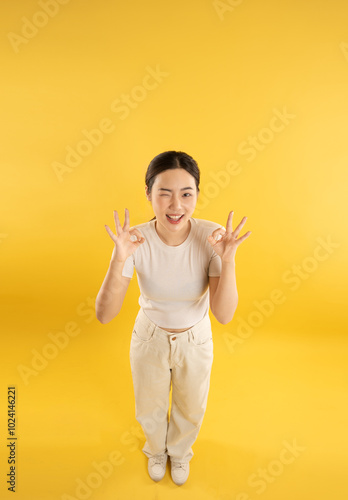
(148, 195)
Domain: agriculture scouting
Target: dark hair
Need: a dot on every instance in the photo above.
(170, 160)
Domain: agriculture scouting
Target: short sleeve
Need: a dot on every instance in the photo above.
(214, 265)
(128, 268)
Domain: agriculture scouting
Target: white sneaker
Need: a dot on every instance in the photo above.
(157, 466)
(179, 472)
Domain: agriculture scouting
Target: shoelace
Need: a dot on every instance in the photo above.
(160, 460)
(180, 466)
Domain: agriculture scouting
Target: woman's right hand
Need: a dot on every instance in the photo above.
(124, 245)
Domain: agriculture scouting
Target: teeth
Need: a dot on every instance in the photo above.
(174, 217)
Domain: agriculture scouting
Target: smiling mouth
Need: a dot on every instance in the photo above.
(174, 218)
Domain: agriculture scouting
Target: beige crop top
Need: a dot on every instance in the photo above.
(173, 280)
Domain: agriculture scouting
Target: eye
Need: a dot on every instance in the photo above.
(187, 194)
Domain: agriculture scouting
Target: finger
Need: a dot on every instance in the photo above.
(239, 227)
(111, 234)
(219, 231)
(229, 222)
(244, 237)
(214, 239)
(211, 240)
(137, 234)
(126, 220)
(137, 241)
(117, 223)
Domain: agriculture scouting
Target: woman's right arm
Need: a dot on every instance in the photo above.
(113, 290)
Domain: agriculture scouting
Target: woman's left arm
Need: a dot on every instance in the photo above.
(223, 289)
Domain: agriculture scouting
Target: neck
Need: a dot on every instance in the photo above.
(171, 239)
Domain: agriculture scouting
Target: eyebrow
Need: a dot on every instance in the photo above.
(170, 190)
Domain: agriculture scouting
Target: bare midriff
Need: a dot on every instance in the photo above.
(170, 330)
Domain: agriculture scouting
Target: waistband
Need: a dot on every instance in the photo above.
(145, 322)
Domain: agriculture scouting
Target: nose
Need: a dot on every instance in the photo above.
(175, 203)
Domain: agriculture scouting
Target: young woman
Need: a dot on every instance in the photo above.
(184, 265)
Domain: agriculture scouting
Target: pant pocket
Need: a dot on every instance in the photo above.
(201, 337)
(144, 334)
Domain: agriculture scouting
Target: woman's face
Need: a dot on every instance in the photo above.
(173, 197)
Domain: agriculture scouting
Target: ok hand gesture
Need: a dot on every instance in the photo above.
(227, 245)
(127, 239)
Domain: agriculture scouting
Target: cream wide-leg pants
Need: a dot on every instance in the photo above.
(159, 358)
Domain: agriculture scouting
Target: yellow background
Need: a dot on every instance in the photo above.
(227, 67)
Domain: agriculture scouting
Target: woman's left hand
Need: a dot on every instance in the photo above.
(227, 245)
